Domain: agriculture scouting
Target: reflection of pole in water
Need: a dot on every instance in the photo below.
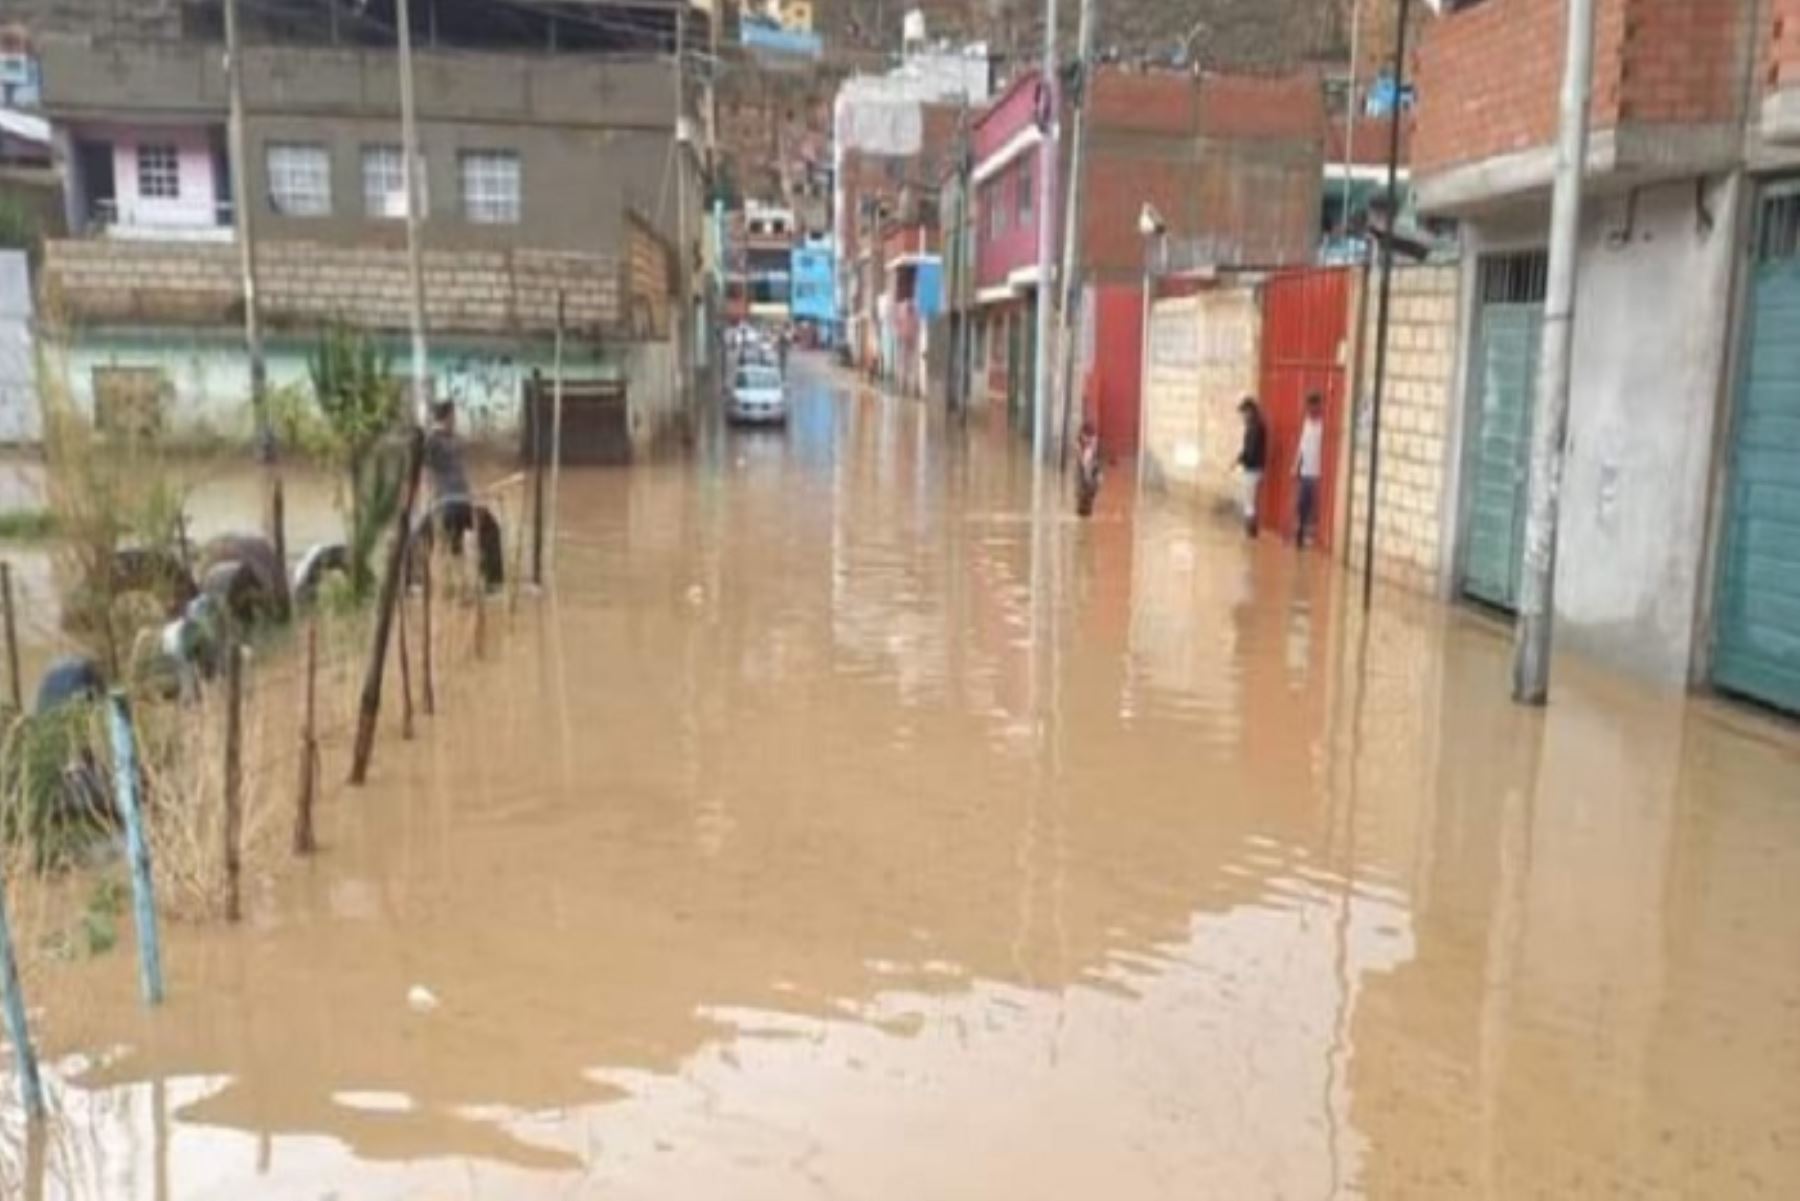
(36, 1165)
(1337, 1051)
(31, 1089)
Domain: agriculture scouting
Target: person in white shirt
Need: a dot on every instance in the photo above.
(1309, 464)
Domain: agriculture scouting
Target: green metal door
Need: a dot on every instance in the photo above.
(1509, 336)
(1756, 647)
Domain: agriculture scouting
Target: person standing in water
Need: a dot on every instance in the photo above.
(1252, 460)
(1309, 464)
(453, 504)
(450, 495)
(1087, 467)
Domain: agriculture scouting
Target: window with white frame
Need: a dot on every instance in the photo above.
(384, 182)
(158, 171)
(490, 186)
(299, 179)
(1025, 195)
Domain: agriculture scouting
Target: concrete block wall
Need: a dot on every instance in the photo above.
(89, 282)
(1415, 508)
(1205, 357)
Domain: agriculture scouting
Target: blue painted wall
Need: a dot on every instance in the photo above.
(814, 287)
(928, 292)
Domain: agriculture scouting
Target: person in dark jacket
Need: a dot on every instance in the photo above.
(1087, 466)
(1252, 459)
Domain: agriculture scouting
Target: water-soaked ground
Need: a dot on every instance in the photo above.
(795, 852)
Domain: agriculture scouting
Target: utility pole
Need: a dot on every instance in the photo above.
(246, 239)
(679, 311)
(1549, 428)
(1350, 114)
(966, 284)
(1384, 307)
(1071, 271)
(953, 253)
(1048, 116)
(415, 269)
(244, 215)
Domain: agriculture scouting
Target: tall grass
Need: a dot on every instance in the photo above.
(107, 491)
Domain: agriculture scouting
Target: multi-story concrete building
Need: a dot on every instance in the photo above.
(548, 148)
(890, 134)
(1678, 554)
(768, 262)
(814, 278)
(1231, 163)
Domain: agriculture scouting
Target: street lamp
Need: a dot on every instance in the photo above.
(1155, 232)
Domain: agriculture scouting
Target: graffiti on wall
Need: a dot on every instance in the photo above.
(484, 386)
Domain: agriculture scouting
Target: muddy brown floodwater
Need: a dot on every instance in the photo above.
(830, 834)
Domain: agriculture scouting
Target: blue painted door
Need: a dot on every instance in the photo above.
(1505, 384)
(1756, 648)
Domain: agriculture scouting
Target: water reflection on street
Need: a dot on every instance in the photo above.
(800, 846)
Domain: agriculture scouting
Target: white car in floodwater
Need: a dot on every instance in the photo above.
(758, 395)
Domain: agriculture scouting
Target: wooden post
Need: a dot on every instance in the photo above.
(137, 846)
(31, 1088)
(234, 780)
(309, 747)
(406, 710)
(12, 639)
(518, 536)
(370, 708)
(537, 482)
(427, 685)
(556, 416)
(284, 599)
(481, 623)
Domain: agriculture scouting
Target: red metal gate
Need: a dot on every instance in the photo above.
(1113, 395)
(1306, 321)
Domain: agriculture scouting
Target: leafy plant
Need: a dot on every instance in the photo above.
(20, 228)
(27, 525)
(355, 389)
(100, 921)
(300, 426)
(53, 792)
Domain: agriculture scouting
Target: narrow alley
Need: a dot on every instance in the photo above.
(832, 830)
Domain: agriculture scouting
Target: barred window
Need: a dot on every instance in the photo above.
(158, 171)
(490, 187)
(384, 183)
(299, 179)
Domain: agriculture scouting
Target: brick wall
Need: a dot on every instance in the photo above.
(1781, 52)
(1489, 75)
(1205, 357)
(649, 281)
(1683, 60)
(1415, 427)
(101, 282)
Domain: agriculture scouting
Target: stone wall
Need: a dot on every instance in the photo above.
(305, 285)
(1414, 520)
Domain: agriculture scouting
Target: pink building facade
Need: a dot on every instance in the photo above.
(1007, 146)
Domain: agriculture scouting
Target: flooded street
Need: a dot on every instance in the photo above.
(828, 833)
